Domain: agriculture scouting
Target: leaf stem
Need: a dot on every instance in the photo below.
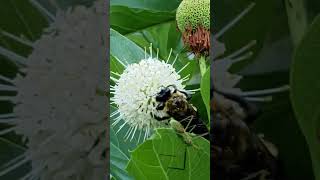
(202, 65)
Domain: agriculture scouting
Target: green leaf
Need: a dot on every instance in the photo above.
(167, 156)
(205, 89)
(163, 36)
(155, 5)
(305, 84)
(123, 49)
(129, 16)
(297, 19)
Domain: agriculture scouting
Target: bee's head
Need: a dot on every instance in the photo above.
(165, 93)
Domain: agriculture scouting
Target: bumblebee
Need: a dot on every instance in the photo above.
(237, 151)
(174, 103)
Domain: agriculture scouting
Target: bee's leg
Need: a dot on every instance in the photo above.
(160, 118)
(192, 128)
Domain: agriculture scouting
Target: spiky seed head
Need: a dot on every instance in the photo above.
(193, 13)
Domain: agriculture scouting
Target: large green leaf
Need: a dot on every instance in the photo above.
(129, 16)
(156, 5)
(123, 49)
(305, 84)
(167, 156)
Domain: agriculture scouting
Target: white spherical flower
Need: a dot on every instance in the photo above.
(59, 111)
(135, 91)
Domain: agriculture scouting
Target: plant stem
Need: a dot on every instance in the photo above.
(202, 65)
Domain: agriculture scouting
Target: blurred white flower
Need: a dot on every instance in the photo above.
(59, 111)
(135, 91)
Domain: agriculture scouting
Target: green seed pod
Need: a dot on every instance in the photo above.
(193, 14)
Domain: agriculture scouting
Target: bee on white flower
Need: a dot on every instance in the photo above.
(135, 90)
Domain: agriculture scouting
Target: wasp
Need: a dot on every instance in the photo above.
(174, 103)
(237, 151)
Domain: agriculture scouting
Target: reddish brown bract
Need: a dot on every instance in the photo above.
(198, 40)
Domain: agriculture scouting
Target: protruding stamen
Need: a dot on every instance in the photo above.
(240, 58)
(13, 161)
(175, 59)
(14, 166)
(146, 133)
(184, 67)
(117, 120)
(133, 133)
(169, 56)
(8, 120)
(266, 91)
(126, 136)
(114, 113)
(139, 136)
(234, 21)
(7, 88)
(9, 115)
(242, 49)
(186, 78)
(43, 10)
(145, 52)
(8, 98)
(7, 130)
(150, 49)
(17, 59)
(114, 79)
(157, 53)
(118, 60)
(120, 128)
(16, 38)
(6, 79)
(259, 99)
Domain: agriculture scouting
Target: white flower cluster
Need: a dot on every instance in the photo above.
(136, 89)
(60, 112)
